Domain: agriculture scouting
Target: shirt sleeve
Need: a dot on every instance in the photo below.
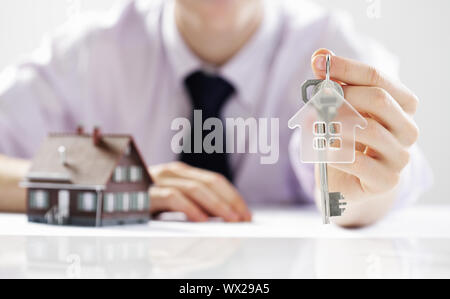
(339, 36)
(56, 87)
(34, 96)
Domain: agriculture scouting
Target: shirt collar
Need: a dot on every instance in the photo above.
(242, 70)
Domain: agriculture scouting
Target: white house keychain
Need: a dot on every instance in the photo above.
(328, 123)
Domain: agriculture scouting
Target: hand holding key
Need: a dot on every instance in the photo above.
(369, 184)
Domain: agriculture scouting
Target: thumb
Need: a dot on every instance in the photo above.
(318, 62)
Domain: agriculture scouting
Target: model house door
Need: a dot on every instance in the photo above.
(64, 204)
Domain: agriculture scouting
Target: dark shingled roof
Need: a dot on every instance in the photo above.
(87, 164)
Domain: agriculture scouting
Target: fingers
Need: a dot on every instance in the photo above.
(374, 176)
(202, 197)
(210, 190)
(378, 103)
(387, 147)
(221, 187)
(170, 199)
(352, 72)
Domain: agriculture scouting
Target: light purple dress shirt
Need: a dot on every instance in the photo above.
(124, 71)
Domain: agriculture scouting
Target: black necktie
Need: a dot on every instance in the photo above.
(209, 94)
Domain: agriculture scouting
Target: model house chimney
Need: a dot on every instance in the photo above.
(97, 136)
(62, 155)
(80, 130)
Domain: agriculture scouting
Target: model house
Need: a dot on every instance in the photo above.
(327, 140)
(88, 180)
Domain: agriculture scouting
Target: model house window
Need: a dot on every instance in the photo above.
(120, 174)
(320, 143)
(109, 203)
(133, 201)
(325, 137)
(39, 200)
(320, 129)
(118, 202)
(125, 202)
(122, 202)
(335, 143)
(334, 128)
(135, 174)
(87, 202)
(142, 201)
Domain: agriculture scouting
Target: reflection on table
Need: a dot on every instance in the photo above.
(122, 257)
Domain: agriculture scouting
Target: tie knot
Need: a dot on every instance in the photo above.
(208, 92)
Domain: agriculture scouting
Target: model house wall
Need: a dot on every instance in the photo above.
(126, 194)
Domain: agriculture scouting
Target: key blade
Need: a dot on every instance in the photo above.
(337, 204)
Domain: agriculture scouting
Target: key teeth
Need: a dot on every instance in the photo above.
(337, 204)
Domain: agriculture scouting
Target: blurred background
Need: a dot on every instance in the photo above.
(416, 31)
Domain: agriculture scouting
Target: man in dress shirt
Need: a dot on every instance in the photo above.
(128, 73)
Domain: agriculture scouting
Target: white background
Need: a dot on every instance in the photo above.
(418, 32)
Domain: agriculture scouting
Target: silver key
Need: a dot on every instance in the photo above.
(332, 203)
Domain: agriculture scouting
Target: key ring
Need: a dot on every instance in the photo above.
(317, 83)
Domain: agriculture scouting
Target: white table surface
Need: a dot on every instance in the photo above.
(431, 221)
(280, 243)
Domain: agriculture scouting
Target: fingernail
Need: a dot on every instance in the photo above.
(248, 216)
(203, 218)
(233, 216)
(319, 62)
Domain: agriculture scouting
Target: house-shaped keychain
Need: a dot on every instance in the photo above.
(328, 124)
(88, 180)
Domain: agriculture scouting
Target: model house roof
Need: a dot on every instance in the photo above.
(80, 159)
(346, 113)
